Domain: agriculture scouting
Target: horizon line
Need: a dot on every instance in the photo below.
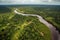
(29, 4)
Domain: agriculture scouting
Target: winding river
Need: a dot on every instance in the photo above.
(54, 33)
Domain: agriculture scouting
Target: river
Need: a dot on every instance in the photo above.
(54, 33)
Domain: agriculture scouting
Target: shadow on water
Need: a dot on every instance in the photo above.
(4, 9)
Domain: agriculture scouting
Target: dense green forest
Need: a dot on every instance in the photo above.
(18, 27)
(51, 14)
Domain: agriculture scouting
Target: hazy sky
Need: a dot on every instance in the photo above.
(55, 2)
